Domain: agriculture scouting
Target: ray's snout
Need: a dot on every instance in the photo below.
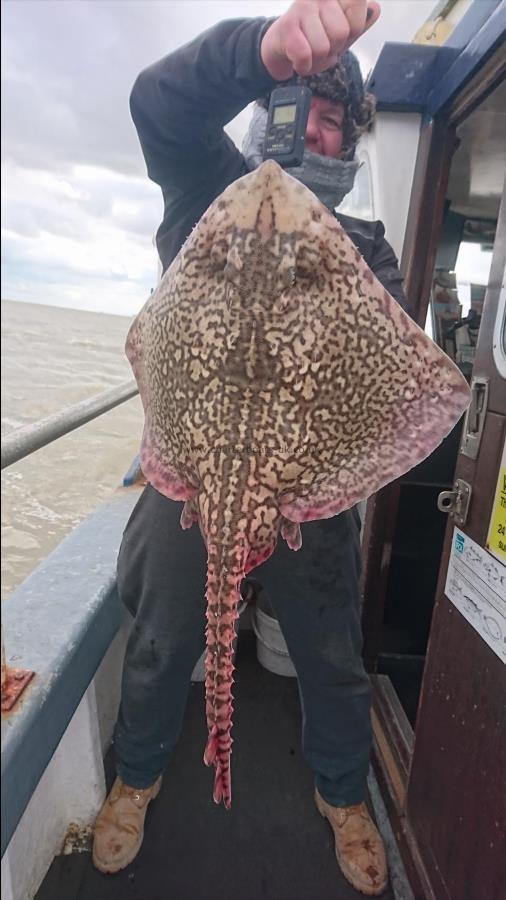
(271, 189)
(266, 201)
(270, 182)
(269, 173)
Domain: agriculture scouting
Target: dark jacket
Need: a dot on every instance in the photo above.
(180, 106)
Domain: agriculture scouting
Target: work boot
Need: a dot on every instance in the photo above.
(360, 850)
(119, 828)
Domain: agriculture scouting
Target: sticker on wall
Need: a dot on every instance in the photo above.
(496, 540)
(476, 585)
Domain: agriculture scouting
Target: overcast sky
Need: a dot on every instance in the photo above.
(78, 211)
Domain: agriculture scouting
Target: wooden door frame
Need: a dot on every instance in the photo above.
(436, 147)
(453, 639)
(392, 733)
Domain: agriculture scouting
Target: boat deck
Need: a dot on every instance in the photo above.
(272, 844)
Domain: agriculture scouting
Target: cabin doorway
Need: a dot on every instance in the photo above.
(455, 805)
(459, 283)
(454, 268)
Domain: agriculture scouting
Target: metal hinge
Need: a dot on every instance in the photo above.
(456, 502)
(475, 417)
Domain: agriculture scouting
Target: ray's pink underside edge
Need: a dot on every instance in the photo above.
(164, 477)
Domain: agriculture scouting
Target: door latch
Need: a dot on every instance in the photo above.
(456, 502)
(475, 417)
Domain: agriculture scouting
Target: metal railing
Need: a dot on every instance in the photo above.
(25, 440)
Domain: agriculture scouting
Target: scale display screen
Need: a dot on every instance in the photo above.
(284, 114)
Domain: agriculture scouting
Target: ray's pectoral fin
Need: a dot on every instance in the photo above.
(168, 479)
(396, 404)
(159, 452)
(320, 502)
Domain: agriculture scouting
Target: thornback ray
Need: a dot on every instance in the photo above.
(281, 383)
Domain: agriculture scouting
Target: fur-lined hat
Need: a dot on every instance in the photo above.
(342, 83)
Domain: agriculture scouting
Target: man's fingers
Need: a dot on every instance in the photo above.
(317, 39)
(336, 25)
(332, 26)
(297, 49)
(309, 36)
(355, 12)
(373, 14)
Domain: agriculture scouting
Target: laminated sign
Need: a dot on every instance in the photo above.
(496, 540)
(476, 585)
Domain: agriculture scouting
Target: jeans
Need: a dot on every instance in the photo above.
(315, 596)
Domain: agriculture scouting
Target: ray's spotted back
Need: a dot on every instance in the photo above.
(280, 383)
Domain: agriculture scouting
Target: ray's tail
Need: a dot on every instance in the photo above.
(224, 575)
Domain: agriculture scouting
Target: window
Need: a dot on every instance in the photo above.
(499, 340)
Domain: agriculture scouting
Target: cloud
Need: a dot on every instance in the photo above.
(68, 68)
(76, 202)
(79, 203)
(90, 231)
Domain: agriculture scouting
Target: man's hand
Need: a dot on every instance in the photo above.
(312, 34)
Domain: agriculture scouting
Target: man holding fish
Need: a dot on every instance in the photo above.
(180, 106)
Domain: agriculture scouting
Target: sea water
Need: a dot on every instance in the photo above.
(52, 358)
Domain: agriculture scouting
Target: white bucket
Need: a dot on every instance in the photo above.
(272, 652)
(199, 672)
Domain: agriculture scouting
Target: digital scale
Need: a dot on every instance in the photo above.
(285, 135)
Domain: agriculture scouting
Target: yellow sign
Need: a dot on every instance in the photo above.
(496, 541)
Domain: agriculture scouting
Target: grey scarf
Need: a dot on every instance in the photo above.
(330, 179)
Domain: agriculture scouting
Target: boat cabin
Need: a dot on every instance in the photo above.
(434, 590)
